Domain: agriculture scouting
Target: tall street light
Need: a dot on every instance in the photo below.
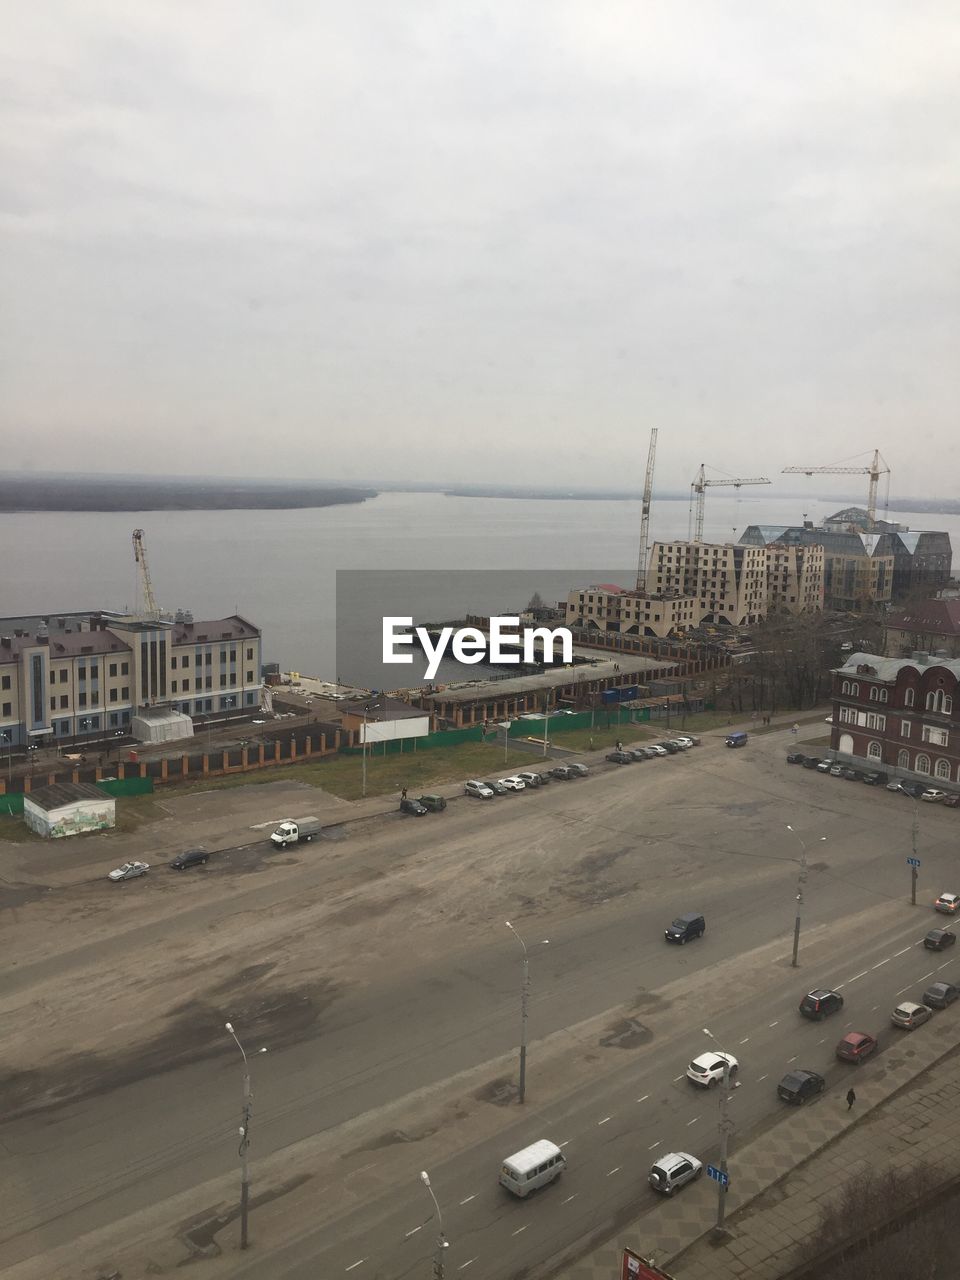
(442, 1242)
(801, 881)
(244, 1138)
(725, 1127)
(7, 737)
(363, 750)
(524, 997)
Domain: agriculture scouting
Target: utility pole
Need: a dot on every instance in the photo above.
(801, 881)
(442, 1242)
(546, 721)
(363, 752)
(244, 1139)
(725, 1126)
(914, 865)
(524, 994)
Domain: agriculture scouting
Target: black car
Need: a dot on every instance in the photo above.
(496, 787)
(811, 762)
(413, 806)
(620, 757)
(671, 747)
(820, 1004)
(637, 753)
(912, 789)
(852, 775)
(939, 939)
(563, 772)
(690, 925)
(875, 779)
(190, 858)
(795, 757)
(797, 1086)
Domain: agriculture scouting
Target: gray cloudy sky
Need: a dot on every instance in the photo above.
(488, 241)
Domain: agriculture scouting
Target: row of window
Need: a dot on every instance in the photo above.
(89, 724)
(936, 700)
(921, 764)
(932, 734)
(116, 695)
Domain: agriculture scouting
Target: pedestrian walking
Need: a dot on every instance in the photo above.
(403, 793)
(795, 730)
(851, 1098)
(591, 743)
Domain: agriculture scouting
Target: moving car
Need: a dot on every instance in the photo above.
(933, 796)
(819, 1004)
(736, 739)
(690, 925)
(909, 1015)
(673, 1171)
(940, 994)
(189, 858)
(513, 783)
(707, 1069)
(578, 770)
(412, 806)
(479, 789)
(531, 1168)
(799, 1086)
(855, 1046)
(939, 939)
(620, 757)
(496, 786)
(129, 871)
(948, 903)
(435, 803)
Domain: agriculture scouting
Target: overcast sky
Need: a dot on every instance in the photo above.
(481, 241)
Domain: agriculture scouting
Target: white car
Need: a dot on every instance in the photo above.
(513, 784)
(658, 750)
(933, 795)
(707, 1070)
(673, 1171)
(685, 742)
(948, 903)
(480, 789)
(130, 870)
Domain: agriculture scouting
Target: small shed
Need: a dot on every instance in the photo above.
(160, 724)
(68, 809)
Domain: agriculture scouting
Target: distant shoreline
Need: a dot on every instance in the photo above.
(35, 493)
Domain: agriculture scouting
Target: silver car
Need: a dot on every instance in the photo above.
(129, 871)
(673, 1171)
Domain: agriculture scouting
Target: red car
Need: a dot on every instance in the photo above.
(855, 1046)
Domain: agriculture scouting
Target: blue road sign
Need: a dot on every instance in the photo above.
(913, 862)
(717, 1175)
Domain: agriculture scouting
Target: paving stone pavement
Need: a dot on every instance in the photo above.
(906, 1113)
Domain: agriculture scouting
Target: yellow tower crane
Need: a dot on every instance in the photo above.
(698, 493)
(875, 470)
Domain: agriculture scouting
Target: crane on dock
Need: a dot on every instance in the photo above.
(140, 559)
(698, 491)
(645, 516)
(875, 470)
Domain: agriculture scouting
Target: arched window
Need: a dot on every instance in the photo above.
(903, 760)
(873, 693)
(932, 700)
(943, 769)
(922, 765)
(883, 695)
(874, 751)
(908, 698)
(845, 687)
(854, 690)
(947, 704)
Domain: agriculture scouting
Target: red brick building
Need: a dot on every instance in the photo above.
(901, 715)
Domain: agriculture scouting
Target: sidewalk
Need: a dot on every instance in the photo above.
(906, 1114)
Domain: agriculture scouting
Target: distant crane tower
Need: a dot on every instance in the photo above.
(698, 493)
(645, 516)
(876, 469)
(140, 558)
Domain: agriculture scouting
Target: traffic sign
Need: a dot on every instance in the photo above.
(913, 862)
(718, 1175)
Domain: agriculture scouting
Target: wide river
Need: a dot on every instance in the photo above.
(279, 568)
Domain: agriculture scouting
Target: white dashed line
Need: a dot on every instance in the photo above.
(413, 1232)
(569, 1198)
(839, 985)
(644, 1098)
(604, 1120)
(693, 1121)
(857, 976)
(469, 1198)
(519, 1229)
(944, 965)
(875, 1008)
(356, 1264)
(773, 1024)
(463, 1265)
(793, 1059)
(760, 1078)
(880, 962)
(903, 989)
(654, 1144)
(565, 1143)
(676, 1078)
(823, 1041)
(927, 975)
(745, 1040)
(901, 953)
(613, 1171)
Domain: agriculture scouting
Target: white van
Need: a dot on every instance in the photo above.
(532, 1167)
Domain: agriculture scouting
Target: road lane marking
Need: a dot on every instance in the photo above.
(874, 1009)
(569, 1198)
(927, 975)
(858, 976)
(904, 951)
(654, 1144)
(604, 1120)
(823, 1041)
(880, 962)
(693, 1121)
(356, 1264)
(745, 1040)
(613, 1171)
(676, 1078)
(463, 1265)
(793, 1059)
(469, 1198)
(644, 1098)
(944, 965)
(565, 1143)
(760, 1078)
(772, 1024)
(413, 1232)
(519, 1229)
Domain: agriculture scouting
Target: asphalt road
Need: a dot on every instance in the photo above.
(705, 831)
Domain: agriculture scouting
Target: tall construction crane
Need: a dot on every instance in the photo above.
(698, 492)
(645, 516)
(140, 558)
(876, 469)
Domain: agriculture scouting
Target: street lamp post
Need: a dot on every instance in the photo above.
(801, 881)
(725, 1126)
(244, 1138)
(524, 997)
(546, 722)
(914, 832)
(442, 1242)
(7, 737)
(363, 752)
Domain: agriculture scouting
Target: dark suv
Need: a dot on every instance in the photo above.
(820, 1004)
(685, 927)
(797, 1086)
(190, 858)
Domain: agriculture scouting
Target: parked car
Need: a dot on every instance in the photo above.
(707, 1070)
(434, 803)
(852, 775)
(819, 1004)
(875, 779)
(637, 753)
(513, 783)
(189, 858)
(799, 1086)
(690, 925)
(530, 779)
(563, 772)
(948, 903)
(620, 757)
(909, 1015)
(933, 796)
(478, 789)
(824, 766)
(544, 778)
(795, 757)
(912, 789)
(129, 871)
(940, 994)
(836, 771)
(855, 1046)
(655, 749)
(671, 748)
(952, 800)
(681, 743)
(496, 786)
(673, 1171)
(810, 762)
(578, 770)
(692, 738)
(939, 939)
(412, 806)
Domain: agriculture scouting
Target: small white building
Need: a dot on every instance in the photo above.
(160, 724)
(68, 809)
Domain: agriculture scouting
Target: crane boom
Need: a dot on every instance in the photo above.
(699, 488)
(876, 469)
(140, 558)
(645, 515)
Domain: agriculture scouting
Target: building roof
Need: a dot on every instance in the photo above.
(939, 617)
(887, 669)
(491, 690)
(381, 707)
(59, 794)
